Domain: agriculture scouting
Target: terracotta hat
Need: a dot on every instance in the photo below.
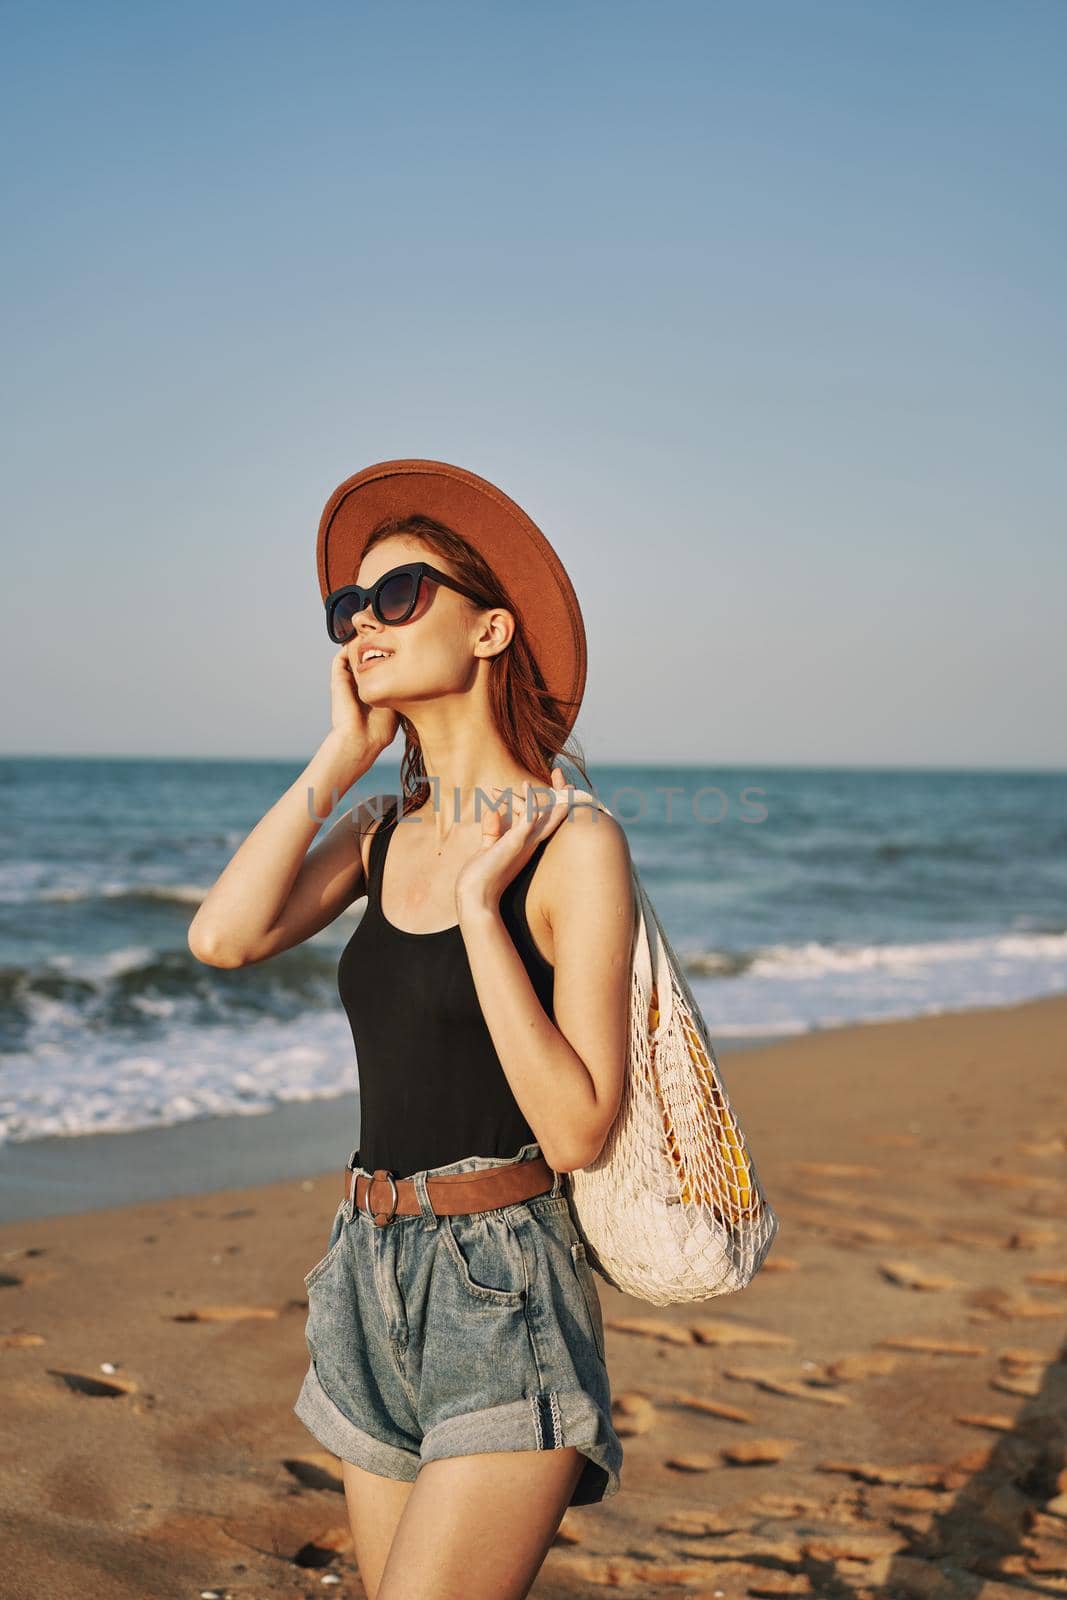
(499, 530)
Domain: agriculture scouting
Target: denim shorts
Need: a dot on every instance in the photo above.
(445, 1336)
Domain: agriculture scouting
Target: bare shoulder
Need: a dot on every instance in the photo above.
(588, 855)
(596, 831)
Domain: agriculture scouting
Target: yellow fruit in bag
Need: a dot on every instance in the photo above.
(733, 1195)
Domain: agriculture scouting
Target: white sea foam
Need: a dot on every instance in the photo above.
(793, 989)
(813, 960)
(207, 1071)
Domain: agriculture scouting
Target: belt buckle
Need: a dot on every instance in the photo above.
(372, 1216)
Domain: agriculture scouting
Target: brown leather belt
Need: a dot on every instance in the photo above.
(452, 1192)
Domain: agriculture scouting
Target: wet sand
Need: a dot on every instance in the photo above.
(882, 1412)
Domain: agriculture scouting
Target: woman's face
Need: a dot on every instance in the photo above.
(434, 653)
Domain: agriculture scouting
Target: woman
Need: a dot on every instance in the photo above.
(454, 1328)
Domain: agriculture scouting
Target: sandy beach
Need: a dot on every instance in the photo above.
(883, 1412)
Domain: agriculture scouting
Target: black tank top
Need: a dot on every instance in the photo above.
(431, 1087)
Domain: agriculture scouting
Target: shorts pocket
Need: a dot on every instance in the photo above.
(584, 1273)
(337, 1233)
(484, 1254)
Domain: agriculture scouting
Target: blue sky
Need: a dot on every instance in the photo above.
(757, 309)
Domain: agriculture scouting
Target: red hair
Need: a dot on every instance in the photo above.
(530, 721)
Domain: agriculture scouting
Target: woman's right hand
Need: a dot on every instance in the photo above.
(362, 731)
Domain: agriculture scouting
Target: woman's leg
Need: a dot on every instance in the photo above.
(478, 1527)
(375, 1505)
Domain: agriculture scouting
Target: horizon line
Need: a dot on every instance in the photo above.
(684, 766)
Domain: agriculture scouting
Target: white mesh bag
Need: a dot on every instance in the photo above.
(671, 1209)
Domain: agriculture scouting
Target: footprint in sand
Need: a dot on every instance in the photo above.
(996, 1422)
(700, 1524)
(1032, 1239)
(837, 1169)
(860, 1364)
(97, 1388)
(693, 1462)
(225, 1313)
(586, 1575)
(1006, 1180)
(1027, 1384)
(650, 1328)
(1000, 1302)
(846, 1228)
(861, 1548)
(972, 1238)
(1021, 1372)
(856, 1203)
(632, 1413)
(793, 1388)
(1023, 1356)
(281, 1530)
(757, 1452)
(717, 1330)
(708, 1408)
(933, 1347)
(790, 1506)
(861, 1231)
(1040, 1147)
(926, 1475)
(316, 1471)
(909, 1276)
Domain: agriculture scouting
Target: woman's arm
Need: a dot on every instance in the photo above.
(274, 892)
(567, 1075)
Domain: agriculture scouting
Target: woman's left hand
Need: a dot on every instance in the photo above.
(507, 845)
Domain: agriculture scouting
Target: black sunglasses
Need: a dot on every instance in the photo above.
(392, 598)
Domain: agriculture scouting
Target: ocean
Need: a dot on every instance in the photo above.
(800, 899)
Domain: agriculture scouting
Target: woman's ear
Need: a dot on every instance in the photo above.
(498, 630)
